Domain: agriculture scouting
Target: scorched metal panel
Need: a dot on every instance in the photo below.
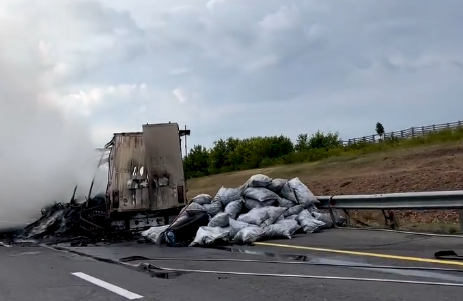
(127, 171)
(165, 166)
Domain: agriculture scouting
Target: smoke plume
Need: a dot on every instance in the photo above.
(43, 151)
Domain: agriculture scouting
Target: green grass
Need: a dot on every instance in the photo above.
(352, 152)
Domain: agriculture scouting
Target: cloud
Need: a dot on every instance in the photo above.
(297, 66)
(224, 69)
(212, 4)
(180, 95)
(93, 99)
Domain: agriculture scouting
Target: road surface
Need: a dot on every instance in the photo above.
(43, 273)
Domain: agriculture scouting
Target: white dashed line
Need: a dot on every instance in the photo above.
(110, 287)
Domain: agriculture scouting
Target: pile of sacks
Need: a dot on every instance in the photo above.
(261, 208)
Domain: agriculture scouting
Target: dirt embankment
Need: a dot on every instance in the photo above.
(430, 168)
(427, 169)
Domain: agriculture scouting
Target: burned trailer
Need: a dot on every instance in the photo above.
(146, 182)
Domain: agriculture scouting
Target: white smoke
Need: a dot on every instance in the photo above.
(43, 152)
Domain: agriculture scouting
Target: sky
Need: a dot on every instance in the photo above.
(243, 68)
(73, 72)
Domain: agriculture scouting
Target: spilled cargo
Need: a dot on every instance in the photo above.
(262, 208)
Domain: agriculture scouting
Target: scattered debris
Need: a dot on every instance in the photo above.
(261, 208)
(136, 197)
(60, 222)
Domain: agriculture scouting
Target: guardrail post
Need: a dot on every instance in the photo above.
(390, 219)
(460, 217)
(348, 220)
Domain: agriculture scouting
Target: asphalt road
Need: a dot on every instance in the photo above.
(41, 273)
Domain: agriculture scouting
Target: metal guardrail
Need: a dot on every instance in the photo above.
(397, 201)
(413, 132)
(438, 200)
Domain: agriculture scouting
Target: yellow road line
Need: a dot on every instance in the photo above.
(388, 256)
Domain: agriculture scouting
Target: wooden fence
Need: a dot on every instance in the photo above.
(412, 132)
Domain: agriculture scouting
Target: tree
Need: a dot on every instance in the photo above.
(218, 155)
(379, 129)
(234, 159)
(255, 152)
(197, 162)
(322, 140)
(302, 143)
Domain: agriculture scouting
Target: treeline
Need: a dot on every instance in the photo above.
(239, 154)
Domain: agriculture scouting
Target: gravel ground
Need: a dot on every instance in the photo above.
(429, 169)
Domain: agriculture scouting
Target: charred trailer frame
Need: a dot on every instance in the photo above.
(146, 180)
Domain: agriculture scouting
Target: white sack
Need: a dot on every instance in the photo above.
(155, 234)
(256, 216)
(202, 199)
(208, 235)
(293, 217)
(227, 195)
(288, 193)
(263, 195)
(294, 210)
(308, 223)
(303, 194)
(312, 208)
(258, 180)
(195, 207)
(285, 203)
(324, 217)
(274, 214)
(249, 235)
(236, 226)
(276, 185)
(292, 225)
(278, 230)
(220, 220)
(251, 203)
(234, 208)
(214, 208)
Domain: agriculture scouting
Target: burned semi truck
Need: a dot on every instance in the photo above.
(146, 181)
